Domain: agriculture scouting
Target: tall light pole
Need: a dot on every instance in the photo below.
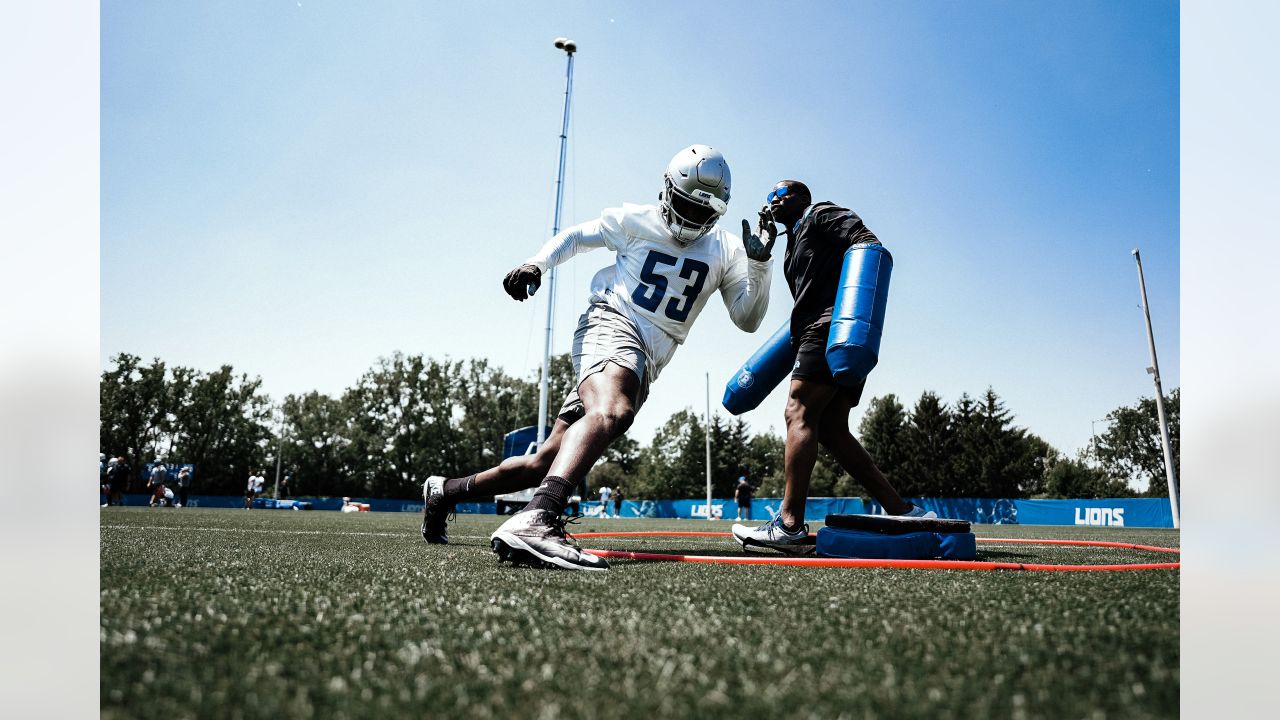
(1170, 474)
(279, 451)
(569, 47)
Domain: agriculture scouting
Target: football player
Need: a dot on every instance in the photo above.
(669, 259)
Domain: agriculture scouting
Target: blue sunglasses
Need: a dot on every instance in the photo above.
(779, 192)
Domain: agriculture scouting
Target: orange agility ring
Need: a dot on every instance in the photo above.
(868, 563)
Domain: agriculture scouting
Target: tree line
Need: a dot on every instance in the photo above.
(410, 416)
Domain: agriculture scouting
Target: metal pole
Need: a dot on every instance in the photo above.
(1170, 474)
(708, 446)
(570, 48)
(279, 453)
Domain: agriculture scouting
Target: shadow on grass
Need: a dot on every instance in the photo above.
(1004, 555)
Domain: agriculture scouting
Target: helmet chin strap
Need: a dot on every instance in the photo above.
(682, 241)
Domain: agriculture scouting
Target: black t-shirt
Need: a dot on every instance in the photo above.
(815, 254)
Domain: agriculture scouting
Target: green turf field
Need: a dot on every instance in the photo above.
(232, 613)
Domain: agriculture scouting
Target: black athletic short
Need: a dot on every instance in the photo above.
(811, 360)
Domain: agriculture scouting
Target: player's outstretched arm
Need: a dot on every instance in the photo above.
(525, 280)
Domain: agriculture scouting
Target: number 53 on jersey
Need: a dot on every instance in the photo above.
(651, 294)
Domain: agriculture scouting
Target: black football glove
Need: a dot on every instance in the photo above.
(522, 282)
(756, 248)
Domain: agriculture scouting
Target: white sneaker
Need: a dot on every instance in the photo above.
(918, 512)
(538, 538)
(773, 536)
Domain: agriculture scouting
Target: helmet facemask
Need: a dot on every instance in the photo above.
(689, 215)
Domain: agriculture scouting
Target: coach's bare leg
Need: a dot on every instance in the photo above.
(523, 471)
(836, 438)
(806, 402)
(609, 397)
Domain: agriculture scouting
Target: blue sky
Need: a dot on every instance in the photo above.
(299, 188)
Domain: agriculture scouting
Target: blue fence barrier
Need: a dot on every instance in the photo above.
(1126, 512)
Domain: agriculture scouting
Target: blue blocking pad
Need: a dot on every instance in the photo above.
(761, 373)
(957, 546)
(857, 321)
(842, 543)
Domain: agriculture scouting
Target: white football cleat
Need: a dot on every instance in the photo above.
(538, 538)
(773, 536)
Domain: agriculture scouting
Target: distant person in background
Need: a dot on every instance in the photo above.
(253, 488)
(284, 486)
(742, 493)
(605, 492)
(115, 481)
(618, 497)
(184, 486)
(108, 475)
(102, 479)
(124, 481)
(155, 483)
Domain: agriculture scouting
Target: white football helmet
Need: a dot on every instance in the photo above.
(695, 192)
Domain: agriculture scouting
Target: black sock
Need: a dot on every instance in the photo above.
(459, 487)
(552, 494)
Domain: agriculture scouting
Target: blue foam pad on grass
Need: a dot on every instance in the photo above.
(957, 546)
(842, 543)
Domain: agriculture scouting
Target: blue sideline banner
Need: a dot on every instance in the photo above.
(1125, 512)
(1107, 512)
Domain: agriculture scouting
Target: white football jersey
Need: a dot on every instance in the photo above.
(660, 284)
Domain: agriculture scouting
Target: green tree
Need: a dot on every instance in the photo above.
(729, 441)
(225, 430)
(493, 404)
(883, 432)
(993, 458)
(1132, 448)
(216, 421)
(929, 438)
(764, 464)
(673, 464)
(406, 426)
(317, 445)
(1075, 478)
(967, 462)
(134, 402)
